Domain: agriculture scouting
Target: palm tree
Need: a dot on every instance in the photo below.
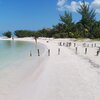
(88, 16)
(59, 28)
(68, 21)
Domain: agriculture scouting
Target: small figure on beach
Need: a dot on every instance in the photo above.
(35, 39)
(12, 38)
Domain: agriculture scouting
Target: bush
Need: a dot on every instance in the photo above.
(60, 35)
(56, 35)
(7, 34)
(24, 33)
(36, 34)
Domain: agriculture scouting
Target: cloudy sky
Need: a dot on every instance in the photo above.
(37, 14)
(73, 5)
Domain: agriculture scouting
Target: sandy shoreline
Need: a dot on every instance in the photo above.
(60, 77)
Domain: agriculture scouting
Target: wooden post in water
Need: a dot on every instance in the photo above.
(85, 50)
(38, 52)
(58, 51)
(48, 52)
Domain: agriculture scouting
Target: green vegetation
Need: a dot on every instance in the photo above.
(87, 27)
(23, 33)
(7, 34)
(97, 39)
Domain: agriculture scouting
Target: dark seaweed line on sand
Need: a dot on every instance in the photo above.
(92, 63)
(89, 60)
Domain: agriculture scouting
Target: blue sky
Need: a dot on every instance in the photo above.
(36, 14)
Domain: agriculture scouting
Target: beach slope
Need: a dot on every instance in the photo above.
(59, 77)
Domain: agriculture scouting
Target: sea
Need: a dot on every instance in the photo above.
(16, 64)
(12, 52)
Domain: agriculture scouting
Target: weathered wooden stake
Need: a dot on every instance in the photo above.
(98, 53)
(58, 51)
(76, 50)
(38, 52)
(85, 50)
(88, 45)
(48, 52)
(60, 43)
(67, 44)
(70, 44)
(30, 53)
(84, 44)
(99, 48)
(95, 45)
(63, 43)
(92, 45)
(74, 44)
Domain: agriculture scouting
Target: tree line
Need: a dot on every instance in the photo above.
(87, 27)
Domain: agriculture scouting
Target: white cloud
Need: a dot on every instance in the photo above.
(96, 5)
(63, 5)
(74, 5)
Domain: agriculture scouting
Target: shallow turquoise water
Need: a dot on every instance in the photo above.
(16, 51)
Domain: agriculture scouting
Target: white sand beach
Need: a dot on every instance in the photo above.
(67, 76)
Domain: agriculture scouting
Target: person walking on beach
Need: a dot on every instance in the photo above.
(35, 39)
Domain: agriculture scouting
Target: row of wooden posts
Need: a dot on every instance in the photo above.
(38, 52)
(69, 44)
(86, 49)
(76, 51)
